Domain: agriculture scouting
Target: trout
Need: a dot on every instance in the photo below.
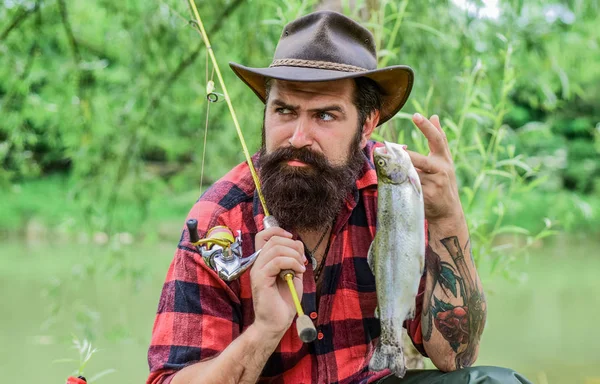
(397, 253)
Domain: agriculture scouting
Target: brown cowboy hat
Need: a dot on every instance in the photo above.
(327, 45)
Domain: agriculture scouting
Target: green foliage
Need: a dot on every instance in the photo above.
(501, 111)
(86, 351)
(113, 96)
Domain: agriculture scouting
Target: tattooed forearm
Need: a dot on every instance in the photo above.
(460, 316)
(434, 269)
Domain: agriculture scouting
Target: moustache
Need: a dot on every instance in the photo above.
(304, 155)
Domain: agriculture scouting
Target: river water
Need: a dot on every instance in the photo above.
(543, 325)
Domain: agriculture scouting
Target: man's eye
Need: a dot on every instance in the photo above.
(283, 111)
(326, 116)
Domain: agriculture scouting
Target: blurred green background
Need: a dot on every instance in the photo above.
(102, 126)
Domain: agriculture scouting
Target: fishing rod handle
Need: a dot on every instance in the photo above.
(270, 221)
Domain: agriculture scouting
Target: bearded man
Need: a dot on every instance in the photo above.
(323, 97)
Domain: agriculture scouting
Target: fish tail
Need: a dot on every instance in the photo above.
(411, 312)
(386, 356)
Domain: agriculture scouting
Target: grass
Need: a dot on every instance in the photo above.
(543, 326)
(49, 202)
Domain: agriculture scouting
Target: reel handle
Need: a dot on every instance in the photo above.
(192, 226)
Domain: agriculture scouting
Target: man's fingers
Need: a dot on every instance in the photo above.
(435, 120)
(278, 264)
(263, 236)
(435, 134)
(424, 163)
(280, 246)
(430, 131)
(423, 176)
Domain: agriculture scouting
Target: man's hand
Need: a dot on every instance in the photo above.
(274, 308)
(448, 253)
(436, 172)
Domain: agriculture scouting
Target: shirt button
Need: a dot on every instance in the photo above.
(320, 336)
(313, 315)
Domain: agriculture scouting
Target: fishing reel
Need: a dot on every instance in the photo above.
(220, 251)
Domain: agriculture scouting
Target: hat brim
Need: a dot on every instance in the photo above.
(395, 82)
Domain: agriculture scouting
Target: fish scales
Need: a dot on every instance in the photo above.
(397, 254)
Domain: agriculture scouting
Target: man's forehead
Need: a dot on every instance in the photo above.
(335, 88)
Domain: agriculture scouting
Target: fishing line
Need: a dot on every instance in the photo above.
(198, 24)
(208, 91)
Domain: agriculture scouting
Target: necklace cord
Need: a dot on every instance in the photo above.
(317, 271)
(319, 242)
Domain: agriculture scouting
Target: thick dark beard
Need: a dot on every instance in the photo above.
(310, 197)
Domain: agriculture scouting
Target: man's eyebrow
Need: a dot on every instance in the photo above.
(282, 104)
(328, 108)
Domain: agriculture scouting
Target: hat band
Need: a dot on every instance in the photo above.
(317, 65)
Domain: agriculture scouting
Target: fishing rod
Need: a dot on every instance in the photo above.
(221, 251)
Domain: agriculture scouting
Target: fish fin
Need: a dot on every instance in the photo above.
(386, 356)
(411, 313)
(379, 360)
(398, 366)
(371, 257)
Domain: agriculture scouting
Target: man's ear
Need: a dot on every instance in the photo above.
(368, 127)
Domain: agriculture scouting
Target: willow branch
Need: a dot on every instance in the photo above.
(20, 17)
(155, 102)
(189, 60)
(65, 19)
(30, 58)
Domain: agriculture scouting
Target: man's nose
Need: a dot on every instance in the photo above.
(301, 137)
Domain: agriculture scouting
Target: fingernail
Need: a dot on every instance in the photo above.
(417, 117)
(303, 268)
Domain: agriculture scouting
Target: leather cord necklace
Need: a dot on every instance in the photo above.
(320, 269)
(312, 252)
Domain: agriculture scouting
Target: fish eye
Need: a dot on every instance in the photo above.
(381, 162)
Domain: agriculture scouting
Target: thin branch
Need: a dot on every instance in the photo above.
(65, 19)
(20, 17)
(189, 60)
(155, 102)
(30, 58)
(14, 97)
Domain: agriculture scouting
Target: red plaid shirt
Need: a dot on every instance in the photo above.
(199, 315)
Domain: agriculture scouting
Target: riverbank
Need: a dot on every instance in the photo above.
(48, 209)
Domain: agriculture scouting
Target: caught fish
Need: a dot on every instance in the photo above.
(397, 254)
